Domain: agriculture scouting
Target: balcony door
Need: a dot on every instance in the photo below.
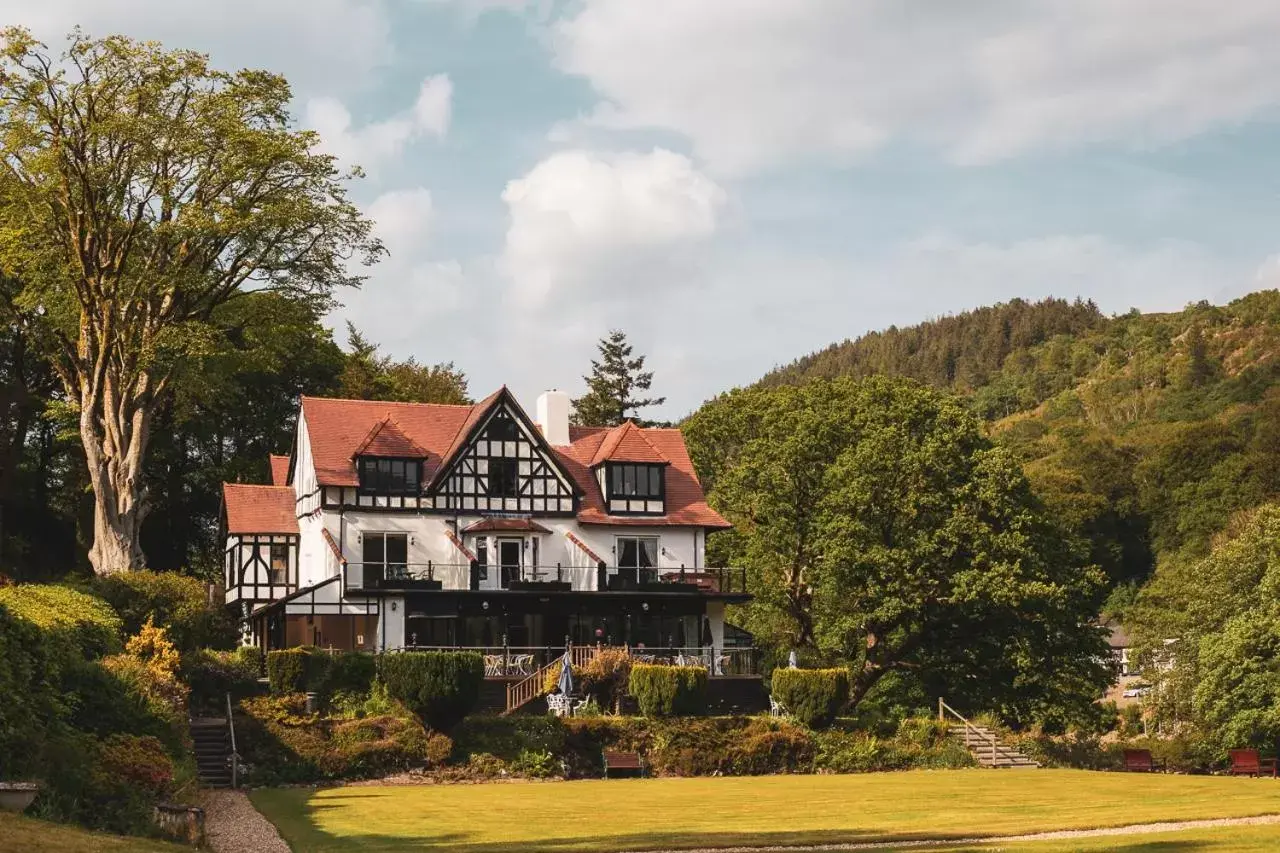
(510, 554)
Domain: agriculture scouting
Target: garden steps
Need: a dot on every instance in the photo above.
(977, 739)
(212, 748)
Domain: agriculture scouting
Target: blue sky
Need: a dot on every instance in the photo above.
(738, 182)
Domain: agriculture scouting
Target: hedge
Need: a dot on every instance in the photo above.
(669, 691)
(288, 670)
(812, 696)
(178, 603)
(310, 670)
(212, 674)
(88, 621)
(440, 687)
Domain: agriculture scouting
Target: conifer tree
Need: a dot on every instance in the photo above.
(614, 381)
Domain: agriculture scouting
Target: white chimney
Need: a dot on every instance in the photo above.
(553, 417)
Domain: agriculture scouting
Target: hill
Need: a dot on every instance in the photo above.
(1144, 432)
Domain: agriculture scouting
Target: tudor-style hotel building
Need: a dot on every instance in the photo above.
(397, 525)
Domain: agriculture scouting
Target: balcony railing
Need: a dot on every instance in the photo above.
(519, 661)
(557, 578)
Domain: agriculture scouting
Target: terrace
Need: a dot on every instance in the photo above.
(479, 577)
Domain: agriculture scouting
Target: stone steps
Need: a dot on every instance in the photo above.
(212, 749)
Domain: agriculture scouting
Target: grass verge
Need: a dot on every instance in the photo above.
(18, 833)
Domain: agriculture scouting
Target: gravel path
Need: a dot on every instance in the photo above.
(1132, 829)
(233, 825)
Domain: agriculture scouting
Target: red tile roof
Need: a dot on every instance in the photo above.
(336, 429)
(279, 470)
(259, 509)
(484, 525)
(387, 439)
(627, 443)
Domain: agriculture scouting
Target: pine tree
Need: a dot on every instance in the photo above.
(613, 382)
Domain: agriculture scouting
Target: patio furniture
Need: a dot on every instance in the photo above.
(522, 664)
(688, 660)
(626, 761)
(644, 658)
(563, 706)
(1245, 762)
(1140, 761)
(777, 709)
(493, 666)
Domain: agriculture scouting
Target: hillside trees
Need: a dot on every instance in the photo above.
(882, 528)
(141, 191)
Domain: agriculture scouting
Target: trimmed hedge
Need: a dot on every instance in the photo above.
(211, 674)
(669, 691)
(440, 687)
(287, 670)
(311, 670)
(812, 696)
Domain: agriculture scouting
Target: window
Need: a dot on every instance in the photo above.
(390, 476)
(635, 481)
(386, 554)
(637, 552)
(279, 564)
(503, 478)
(502, 428)
(482, 556)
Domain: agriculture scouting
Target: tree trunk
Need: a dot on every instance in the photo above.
(114, 427)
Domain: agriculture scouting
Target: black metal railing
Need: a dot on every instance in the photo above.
(558, 577)
(517, 661)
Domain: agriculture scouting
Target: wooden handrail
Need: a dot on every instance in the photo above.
(530, 687)
(235, 756)
(944, 709)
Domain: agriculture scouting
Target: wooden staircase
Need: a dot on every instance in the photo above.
(213, 751)
(523, 692)
(982, 742)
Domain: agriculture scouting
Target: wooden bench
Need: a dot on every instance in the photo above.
(1245, 762)
(1140, 761)
(629, 761)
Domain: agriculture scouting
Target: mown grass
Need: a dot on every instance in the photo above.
(667, 814)
(1226, 839)
(25, 834)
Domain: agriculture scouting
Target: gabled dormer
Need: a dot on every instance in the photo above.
(631, 472)
(388, 462)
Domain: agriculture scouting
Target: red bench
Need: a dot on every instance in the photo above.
(1140, 761)
(1245, 762)
(629, 761)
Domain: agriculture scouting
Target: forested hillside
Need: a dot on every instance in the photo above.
(1144, 432)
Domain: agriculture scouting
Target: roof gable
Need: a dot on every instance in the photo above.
(388, 439)
(627, 443)
(259, 509)
(279, 470)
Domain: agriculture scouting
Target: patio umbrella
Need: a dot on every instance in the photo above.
(791, 660)
(565, 684)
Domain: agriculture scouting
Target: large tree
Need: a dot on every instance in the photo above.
(370, 375)
(141, 190)
(881, 528)
(613, 385)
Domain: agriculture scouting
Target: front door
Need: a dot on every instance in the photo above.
(509, 554)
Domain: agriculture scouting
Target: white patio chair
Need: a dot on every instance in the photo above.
(776, 708)
(493, 665)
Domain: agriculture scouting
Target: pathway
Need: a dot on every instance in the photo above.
(233, 825)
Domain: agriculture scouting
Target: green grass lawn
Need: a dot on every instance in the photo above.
(1234, 839)
(653, 814)
(25, 834)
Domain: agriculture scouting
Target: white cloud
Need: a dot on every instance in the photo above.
(756, 83)
(319, 45)
(403, 219)
(375, 143)
(580, 218)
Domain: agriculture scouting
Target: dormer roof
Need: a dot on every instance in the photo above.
(387, 439)
(627, 443)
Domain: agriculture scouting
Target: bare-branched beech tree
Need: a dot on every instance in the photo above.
(141, 189)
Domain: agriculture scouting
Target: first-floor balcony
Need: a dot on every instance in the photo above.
(517, 662)
(479, 577)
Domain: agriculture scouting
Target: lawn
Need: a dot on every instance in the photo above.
(1231, 839)
(653, 814)
(38, 836)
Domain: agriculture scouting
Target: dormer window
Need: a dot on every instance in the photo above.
(390, 476)
(635, 488)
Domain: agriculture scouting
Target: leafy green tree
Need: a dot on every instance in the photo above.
(368, 375)
(142, 189)
(614, 382)
(882, 528)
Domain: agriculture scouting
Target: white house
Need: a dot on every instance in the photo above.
(395, 525)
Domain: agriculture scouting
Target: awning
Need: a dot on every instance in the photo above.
(505, 525)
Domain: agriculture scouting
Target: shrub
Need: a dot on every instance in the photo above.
(350, 672)
(812, 696)
(176, 602)
(665, 691)
(440, 687)
(606, 677)
(59, 610)
(211, 674)
(287, 670)
(537, 764)
(138, 761)
(507, 737)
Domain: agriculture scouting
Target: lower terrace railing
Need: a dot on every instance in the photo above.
(477, 576)
(522, 661)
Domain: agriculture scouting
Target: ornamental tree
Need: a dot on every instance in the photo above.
(141, 189)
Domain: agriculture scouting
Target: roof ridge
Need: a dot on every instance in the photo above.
(306, 397)
(256, 486)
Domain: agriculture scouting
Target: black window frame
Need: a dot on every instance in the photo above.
(509, 481)
(383, 481)
(617, 475)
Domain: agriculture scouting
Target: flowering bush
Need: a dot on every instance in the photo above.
(139, 761)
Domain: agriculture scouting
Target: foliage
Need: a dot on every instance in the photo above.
(290, 670)
(149, 668)
(536, 764)
(440, 687)
(612, 385)
(281, 743)
(312, 670)
(666, 691)
(139, 761)
(881, 529)
(606, 677)
(812, 696)
(178, 603)
(83, 619)
(211, 674)
(366, 375)
(196, 187)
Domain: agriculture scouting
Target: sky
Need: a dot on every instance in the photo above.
(735, 183)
